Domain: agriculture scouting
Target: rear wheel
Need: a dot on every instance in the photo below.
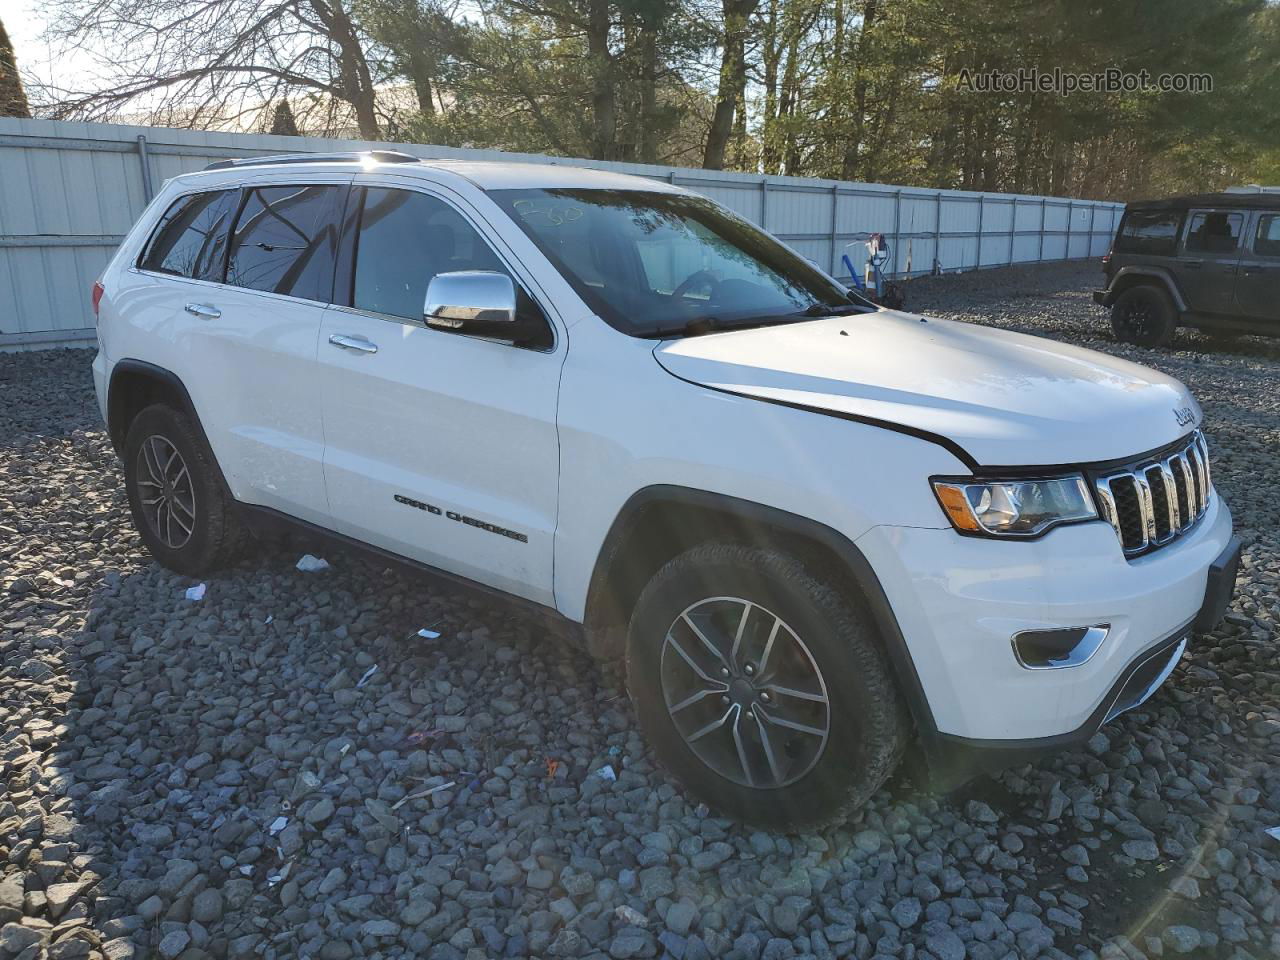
(762, 688)
(180, 507)
(1144, 315)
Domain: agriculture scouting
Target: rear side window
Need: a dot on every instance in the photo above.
(405, 239)
(1143, 231)
(1266, 242)
(286, 239)
(1212, 231)
(191, 237)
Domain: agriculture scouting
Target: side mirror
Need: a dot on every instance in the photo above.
(481, 303)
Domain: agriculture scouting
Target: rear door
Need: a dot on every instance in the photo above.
(252, 343)
(1208, 259)
(1258, 282)
(438, 447)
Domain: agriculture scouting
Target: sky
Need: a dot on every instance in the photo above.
(36, 58)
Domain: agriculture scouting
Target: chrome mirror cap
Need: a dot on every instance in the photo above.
(465, 296)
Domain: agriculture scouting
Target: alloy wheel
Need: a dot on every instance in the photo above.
(744, 692)
(1138, 317)
(165, 491)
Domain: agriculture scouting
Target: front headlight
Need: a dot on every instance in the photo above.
(1014, 508)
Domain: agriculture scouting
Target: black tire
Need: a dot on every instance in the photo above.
(867, 726)
(1144, 315)
(217, 536)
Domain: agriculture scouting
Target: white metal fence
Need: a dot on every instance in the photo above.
(70, 191)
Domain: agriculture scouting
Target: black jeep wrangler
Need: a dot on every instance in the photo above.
(1210, 261)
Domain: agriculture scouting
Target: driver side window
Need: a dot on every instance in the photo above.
(404, 239)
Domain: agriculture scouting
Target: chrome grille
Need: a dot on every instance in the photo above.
(1153, 501)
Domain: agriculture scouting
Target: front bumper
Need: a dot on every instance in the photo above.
(958, 601)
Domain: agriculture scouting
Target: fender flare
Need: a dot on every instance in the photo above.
(1162, 275)
(179, 390)
(753, 515)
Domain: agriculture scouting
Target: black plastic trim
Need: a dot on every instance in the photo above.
(956, 759)
(153, 372)
(1086, 467)
(276, 520)
(765, 517)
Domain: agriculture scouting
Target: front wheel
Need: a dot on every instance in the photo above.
(762, 688)
(1144, 315)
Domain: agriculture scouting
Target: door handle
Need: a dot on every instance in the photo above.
(1191, 264)
(359, 344)
(203, 311)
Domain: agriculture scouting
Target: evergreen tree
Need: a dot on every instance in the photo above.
(13, 99)
(282, 122)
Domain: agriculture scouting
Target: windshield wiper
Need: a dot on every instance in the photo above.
(699, 326)
(825, 310)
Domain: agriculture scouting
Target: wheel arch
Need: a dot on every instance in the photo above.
(1133, 276)
(136, 385)
(659, 522)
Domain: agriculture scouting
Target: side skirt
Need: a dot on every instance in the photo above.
(267, 521)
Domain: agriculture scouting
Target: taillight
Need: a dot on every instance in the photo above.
(1106, 260)
(97, 296)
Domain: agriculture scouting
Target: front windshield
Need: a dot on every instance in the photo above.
(661, 264)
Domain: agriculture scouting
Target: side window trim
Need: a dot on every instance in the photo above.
(1228, 212)
(246, 190)
(144, 251)
(1255, 234)
(519, 273)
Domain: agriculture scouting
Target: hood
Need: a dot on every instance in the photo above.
(1007, 399)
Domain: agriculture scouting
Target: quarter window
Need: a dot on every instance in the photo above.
(191, 238)
(1214, 232)
(285, 240)
(1266, 242)
(1143, 231)
(405, 239)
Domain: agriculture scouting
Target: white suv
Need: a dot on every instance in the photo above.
(819, 533)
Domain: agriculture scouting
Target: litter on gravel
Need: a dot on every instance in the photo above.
(368, 675)
(309, 564)
(105, 794)
(196, 592)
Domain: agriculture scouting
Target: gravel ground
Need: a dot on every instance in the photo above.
(286, 768)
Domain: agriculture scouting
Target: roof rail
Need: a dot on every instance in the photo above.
(380, 156)
(1252, 188)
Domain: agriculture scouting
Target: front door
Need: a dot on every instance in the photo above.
(1258, 282)
(1208, 259)
(438, 447)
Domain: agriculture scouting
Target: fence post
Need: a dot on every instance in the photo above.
(977, 263)
(145, 162)
(937, 234)
(835, 223)
(1093, 214)
(764, 202)
(1013, 228)
(1040, 253)
(897, 230)
(1071, 215)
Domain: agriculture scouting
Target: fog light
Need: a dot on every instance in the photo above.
(1059, 647)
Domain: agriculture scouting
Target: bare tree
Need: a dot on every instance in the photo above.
(199, 63)
(13, 99)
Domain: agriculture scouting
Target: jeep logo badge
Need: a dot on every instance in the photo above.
(1184, 416)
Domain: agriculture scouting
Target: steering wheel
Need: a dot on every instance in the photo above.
(697, 276)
